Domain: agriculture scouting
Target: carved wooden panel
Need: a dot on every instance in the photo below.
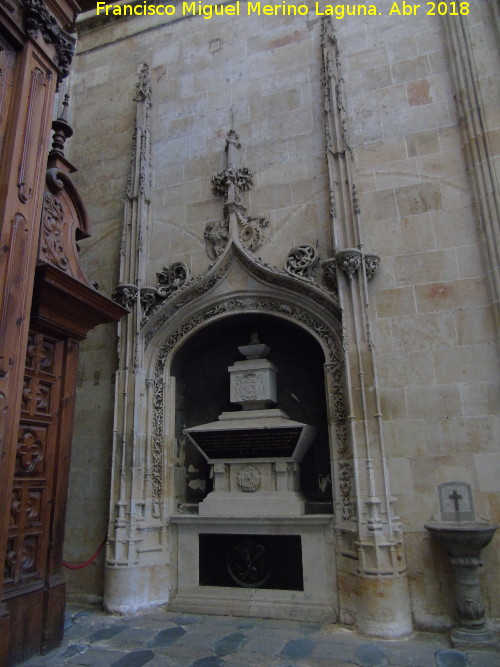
(30, 510)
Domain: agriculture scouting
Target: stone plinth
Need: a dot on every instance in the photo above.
(313, 601)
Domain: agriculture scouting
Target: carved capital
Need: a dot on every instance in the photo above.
(371, 264)
(148, 297)
(126, 295)
(349, 260)
(329, 267)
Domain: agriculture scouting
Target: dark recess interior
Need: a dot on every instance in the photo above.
(202, 392)
(268, 561)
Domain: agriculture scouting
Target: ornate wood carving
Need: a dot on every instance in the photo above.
(36, 97)
(39, 20)
(35, 454)
(37, 370)
(52, 248)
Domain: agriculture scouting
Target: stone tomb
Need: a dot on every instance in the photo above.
(255, 453)
(252, 550)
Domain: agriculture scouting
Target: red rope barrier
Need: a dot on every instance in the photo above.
(87, 562)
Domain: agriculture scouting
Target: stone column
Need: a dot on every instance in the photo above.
(134, 504)
(369, 534)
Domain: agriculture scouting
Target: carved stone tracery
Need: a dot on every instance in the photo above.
(301, 261)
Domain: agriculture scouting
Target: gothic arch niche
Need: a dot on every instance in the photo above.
(202, 393)
(189, 353)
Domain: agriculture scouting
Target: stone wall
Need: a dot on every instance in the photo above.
(431, 320)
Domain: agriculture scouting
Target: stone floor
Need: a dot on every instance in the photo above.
(159, 637)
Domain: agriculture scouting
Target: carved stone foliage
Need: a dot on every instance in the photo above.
(229, 184)
(346, 483)
(157, 445)
(349, 260)
(216, 237)
(251, 231)
(39, 20)
(52, 248)
(240, 177)
(202, 283)
(337, 141)
(336, 370)
(170, 280)
(301, 261)
(191, 289)
(143, 84)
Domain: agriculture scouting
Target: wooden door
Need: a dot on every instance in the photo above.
(28, 584)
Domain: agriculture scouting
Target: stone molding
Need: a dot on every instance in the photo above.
(476, 147)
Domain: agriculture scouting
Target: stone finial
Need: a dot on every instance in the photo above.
(254, 349)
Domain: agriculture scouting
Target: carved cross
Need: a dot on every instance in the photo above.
(455, 497)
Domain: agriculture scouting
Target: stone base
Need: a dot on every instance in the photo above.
(256, 487)
(316, 602)
(383, 607)
(251, 505)
(469, 638)
(131, 589)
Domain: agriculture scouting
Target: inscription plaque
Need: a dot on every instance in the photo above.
(247, 443)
